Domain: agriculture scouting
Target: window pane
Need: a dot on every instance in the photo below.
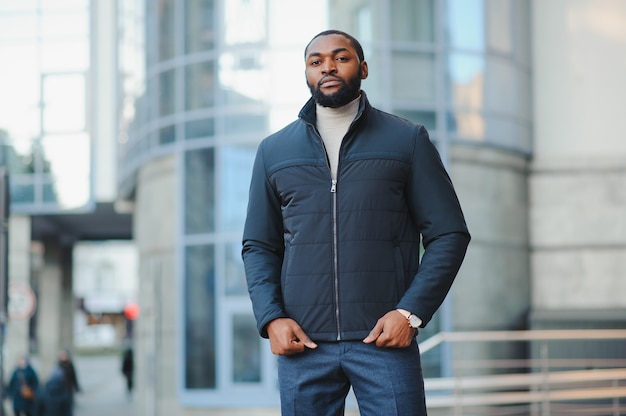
(200, 128)
(65, 24)
(235, 279)
(70, 170)
(22, 189)
(246, 350)
(199, 191)
(243, 79)
(245, 123)
(199, 25)
(17, 28)
(467, 124)
(64, 103)
(244, 21)
(65, 55)
(166, 30)
(200, 85)
(499, 27)
(167, 135)
(412, 20)
(237, 163)
(466, 24)
(466, 74)
(167, 93)
(200, 317)
(413, 77)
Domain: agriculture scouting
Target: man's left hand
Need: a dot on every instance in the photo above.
(391, 331)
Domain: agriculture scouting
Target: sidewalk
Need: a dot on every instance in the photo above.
(103, 387)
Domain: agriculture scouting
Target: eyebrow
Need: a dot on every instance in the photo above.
(333, 52)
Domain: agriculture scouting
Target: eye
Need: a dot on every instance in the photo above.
(343, 58)
(315, 63)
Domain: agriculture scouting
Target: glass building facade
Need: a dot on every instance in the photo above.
(205, 80)
(44, 110)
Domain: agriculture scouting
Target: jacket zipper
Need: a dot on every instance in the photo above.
(333, 191)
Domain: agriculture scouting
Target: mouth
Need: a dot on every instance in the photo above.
(328, 82)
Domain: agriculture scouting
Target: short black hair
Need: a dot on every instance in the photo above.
(355, 43)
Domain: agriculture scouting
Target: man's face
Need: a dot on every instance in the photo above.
(333, 71)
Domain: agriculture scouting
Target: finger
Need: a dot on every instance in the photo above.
(374, 333)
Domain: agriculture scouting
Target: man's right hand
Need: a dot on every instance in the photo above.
(287, 337)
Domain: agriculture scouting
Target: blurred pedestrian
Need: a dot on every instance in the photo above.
(22, 388)
(128, 368)
(69, 374)
(56, 400)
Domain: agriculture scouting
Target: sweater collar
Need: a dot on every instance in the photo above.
(308, 111)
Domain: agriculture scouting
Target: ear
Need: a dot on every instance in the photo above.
(364, 72)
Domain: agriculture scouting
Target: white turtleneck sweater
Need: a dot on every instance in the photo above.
(333, 124)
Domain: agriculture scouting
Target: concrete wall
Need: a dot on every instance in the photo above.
(491, 185)
(578, 197)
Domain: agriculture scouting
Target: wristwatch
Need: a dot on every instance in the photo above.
(414, 321)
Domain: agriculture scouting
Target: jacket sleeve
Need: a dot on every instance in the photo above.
(263, 247)
(445, 237)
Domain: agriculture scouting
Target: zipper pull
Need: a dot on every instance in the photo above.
(333, 186)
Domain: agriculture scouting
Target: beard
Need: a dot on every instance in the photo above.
(346, 93)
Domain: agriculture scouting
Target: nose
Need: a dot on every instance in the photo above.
(328, 66)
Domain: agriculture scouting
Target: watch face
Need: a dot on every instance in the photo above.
(414, 321)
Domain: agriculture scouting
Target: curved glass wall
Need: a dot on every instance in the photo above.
(221, 75)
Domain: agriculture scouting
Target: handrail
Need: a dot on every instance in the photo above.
(580, 382)
(525, 335)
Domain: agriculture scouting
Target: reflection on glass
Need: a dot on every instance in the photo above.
(199, 306)
(467, 124)
(466, 24)
(167, 94)
(234, 276)
(246, 350)
(413, 20)
(199, 25)
(413, 76)
(466, 72)
(244, 78)
(236, 163)
(200, 85)
(199, 191)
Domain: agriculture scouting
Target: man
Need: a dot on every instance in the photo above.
(339, 202)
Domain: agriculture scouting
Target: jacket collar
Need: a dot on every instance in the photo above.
(308, 114)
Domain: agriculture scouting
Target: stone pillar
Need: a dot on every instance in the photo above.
(155, 331)
(17, 339)
(56, 312)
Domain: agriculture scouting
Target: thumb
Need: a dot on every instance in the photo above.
(374, 333)
(304, 338)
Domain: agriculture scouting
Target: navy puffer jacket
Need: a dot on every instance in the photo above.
(337, 256)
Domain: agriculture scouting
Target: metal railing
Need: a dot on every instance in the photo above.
(538, 373)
